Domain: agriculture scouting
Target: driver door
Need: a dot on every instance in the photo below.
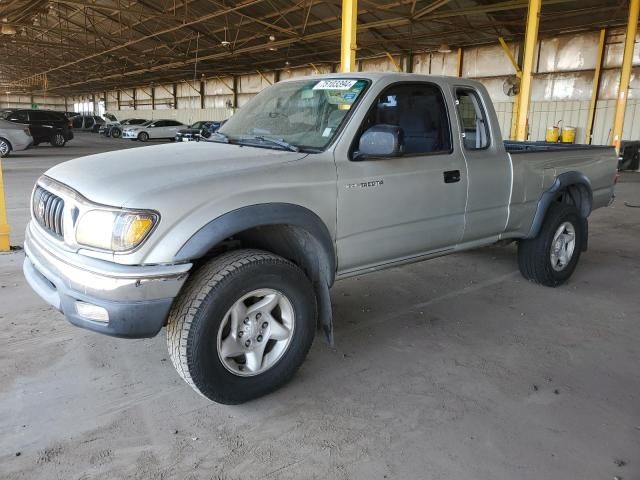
(393, 209)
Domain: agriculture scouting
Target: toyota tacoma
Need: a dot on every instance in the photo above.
(232, 243)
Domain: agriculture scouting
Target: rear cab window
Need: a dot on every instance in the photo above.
(473, 119)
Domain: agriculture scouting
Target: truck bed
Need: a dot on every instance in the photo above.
(519, 147)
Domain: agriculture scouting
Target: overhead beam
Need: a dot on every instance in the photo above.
(508, 5)
(625, 73)
(530, 41)
(430, 8)
(115, 48)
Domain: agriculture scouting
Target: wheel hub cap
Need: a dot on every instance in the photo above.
(4, 148)
(563, 246)
(255, 332)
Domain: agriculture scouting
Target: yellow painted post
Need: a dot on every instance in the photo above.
(530, 41)
(625, 74)
(349, 28)
(4, 226)
(588, 132)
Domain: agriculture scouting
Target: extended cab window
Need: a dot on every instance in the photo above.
(473, 121)
(419, 110)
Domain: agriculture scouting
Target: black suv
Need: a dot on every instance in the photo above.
(46, 126)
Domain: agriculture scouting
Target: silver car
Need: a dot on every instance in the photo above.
(13, 136)
(153, 130)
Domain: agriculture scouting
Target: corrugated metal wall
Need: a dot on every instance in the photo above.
(50, 102)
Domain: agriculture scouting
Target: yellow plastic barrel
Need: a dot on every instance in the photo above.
(553, 135)
(569, 135)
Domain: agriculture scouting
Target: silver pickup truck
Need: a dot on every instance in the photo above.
(233, 242)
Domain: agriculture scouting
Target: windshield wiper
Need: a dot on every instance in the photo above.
(278, 142)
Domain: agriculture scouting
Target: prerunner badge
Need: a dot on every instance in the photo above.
(334, 84)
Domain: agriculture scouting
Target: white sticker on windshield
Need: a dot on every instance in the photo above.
(334, 84)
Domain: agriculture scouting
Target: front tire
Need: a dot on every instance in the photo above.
(5, 148)
(143, 136)
(551, 258)
(242, 326)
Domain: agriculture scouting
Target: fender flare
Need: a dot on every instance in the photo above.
(304, 228)
(548, 197)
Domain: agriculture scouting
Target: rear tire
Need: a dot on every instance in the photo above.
(551, 258)
(58, 140)
(116, 133)
(266, 297)
(143, 136)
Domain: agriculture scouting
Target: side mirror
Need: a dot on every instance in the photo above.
(380, 141)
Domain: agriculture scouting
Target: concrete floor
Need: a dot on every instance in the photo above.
(455, 368)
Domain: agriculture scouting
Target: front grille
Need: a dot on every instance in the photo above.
(47, 210)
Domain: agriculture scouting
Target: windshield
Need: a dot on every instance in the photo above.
(110, 117)
(198, 125)
(305, 114)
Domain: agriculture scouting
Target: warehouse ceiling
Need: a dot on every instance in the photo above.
(76, 46)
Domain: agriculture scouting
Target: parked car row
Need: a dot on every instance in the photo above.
(22, 128)
(138, 129)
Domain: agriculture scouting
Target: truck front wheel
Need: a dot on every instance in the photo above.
(551, 257)
(242, 325)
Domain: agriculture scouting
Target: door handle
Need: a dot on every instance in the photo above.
(452, 176)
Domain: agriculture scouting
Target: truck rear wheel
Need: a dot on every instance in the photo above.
(551, 257)
(242, 325)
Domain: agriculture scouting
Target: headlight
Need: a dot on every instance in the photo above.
(113, 229)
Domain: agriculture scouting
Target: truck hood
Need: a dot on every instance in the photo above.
(116, 178)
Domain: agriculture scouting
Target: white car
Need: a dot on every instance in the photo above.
(13, 136)
(153, 130)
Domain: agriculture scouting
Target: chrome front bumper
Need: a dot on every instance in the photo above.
(136, 299)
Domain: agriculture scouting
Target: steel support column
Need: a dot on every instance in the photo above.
(235, 93)
(460, 62)
(348, 38)
(588, 132)
(625, 74)
(530, 41)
